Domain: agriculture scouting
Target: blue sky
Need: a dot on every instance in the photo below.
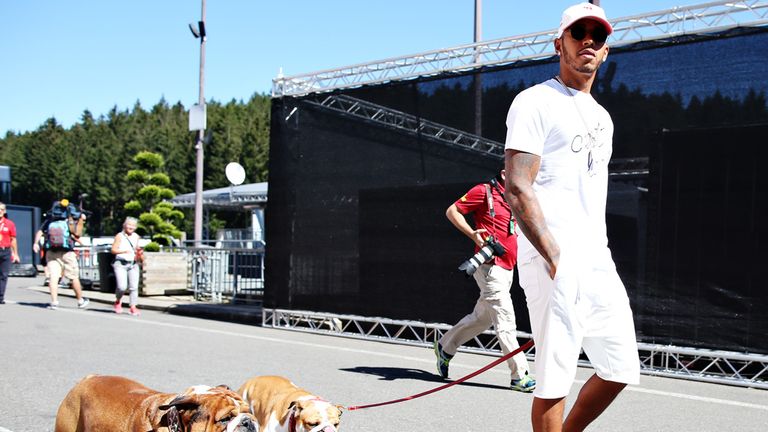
(60, 58)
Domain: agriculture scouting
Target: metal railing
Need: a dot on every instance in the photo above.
(216, 274)
(233, 270)
(87, 260)
(721, 367)
(696, 19)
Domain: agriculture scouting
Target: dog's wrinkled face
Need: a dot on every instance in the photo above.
(316, 415)
(203, 408)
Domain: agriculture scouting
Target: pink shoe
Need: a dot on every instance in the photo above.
(118, 306)
(135, 311)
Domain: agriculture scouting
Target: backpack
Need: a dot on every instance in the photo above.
(59, 211)
(58, 235)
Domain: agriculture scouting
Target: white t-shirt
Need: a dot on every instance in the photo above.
(573, 135)
(129, 243)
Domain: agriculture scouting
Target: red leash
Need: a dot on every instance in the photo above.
(445, 386)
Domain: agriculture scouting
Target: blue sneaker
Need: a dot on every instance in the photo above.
(526, 384)
(443, 359)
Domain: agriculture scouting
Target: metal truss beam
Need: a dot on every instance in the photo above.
(388, 117)
(684, 20)
(721, 367)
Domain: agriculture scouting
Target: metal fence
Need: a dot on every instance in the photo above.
(216, 274)
(695, 364)
(228, 271)
(87, 259)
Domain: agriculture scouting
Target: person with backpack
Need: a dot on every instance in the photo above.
(127, 253)
(60, 230)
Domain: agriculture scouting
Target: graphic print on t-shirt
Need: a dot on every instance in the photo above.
(593, 144)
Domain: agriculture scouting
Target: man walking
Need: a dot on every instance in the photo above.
(559, 141)
(61, 228)
(494, 221)
(9, 252)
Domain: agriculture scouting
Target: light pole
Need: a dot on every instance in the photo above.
(199, 32)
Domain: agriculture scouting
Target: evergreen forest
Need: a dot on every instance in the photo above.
(95, 155)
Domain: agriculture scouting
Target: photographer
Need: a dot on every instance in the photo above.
(493, 269)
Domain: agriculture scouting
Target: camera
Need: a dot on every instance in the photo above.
(491, 248)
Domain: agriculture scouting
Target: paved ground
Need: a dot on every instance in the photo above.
(344, 370)
(173, 304)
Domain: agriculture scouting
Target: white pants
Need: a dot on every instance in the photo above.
(493, 307)
(585, 306)
(127, 278)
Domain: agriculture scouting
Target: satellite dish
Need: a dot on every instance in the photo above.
(235, 173)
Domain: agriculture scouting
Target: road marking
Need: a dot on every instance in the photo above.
(415, 359)
(2, 429)
(698, 398)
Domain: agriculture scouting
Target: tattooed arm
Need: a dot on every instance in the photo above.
(521, 169)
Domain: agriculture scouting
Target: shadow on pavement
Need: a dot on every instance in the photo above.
(221, 312)
(393, 373)
(33, 304)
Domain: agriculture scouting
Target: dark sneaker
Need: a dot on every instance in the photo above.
(83, 304)
(526, 384)
(443, 359)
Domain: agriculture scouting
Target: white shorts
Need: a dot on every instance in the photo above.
(586, 306)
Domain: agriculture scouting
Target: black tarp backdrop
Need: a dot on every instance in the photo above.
(336, 180)
(708, 241)
(356, 220)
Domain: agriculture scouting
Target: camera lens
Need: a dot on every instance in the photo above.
(469, 266)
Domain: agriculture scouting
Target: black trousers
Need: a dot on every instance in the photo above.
(5, 269)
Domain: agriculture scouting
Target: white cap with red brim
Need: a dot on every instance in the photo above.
(581, 11)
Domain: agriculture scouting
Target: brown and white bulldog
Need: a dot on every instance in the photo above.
(280, 406)
(112, 403)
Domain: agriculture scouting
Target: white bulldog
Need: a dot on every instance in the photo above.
(281, 406)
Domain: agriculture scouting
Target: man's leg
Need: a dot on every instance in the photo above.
(613, 353)
(5, 269)
(547, 414)
(474, 323)
(468, 327)
(495, 292)
(71, 270)
(78, 289)
(53, 287)
(54, 274)
(595, 396)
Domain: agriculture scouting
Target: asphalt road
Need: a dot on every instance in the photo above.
(44, 353)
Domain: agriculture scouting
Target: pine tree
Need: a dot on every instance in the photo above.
(157, 217)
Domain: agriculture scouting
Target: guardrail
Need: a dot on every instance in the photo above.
(87, 260)
(216, 274)
(696, 364)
